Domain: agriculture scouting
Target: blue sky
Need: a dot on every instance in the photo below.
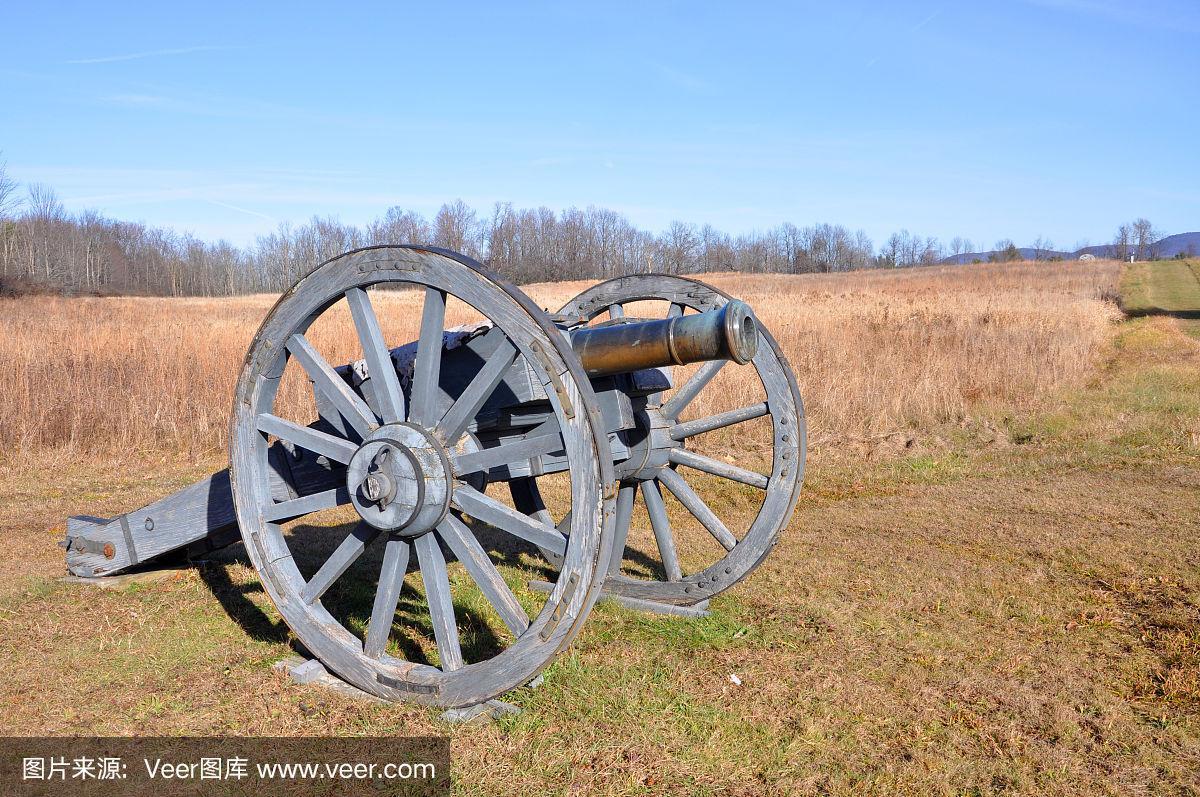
(1059, 118)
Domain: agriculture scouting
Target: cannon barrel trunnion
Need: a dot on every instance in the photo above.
(409, 444)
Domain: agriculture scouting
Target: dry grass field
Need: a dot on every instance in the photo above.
(991, 585)
(875, 353)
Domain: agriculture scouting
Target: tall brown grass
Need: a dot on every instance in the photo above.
(874, 352)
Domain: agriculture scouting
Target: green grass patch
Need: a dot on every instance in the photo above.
(930, 468)
(1166, 288)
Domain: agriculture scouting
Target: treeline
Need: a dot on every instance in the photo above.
(536, 244)
(43, 244)
(86, 252)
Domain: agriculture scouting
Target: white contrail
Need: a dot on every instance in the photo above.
(913, 29)
(108, 59)
(243, 210)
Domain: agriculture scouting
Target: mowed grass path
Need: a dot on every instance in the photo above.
(1167, 287)
(1012, 616)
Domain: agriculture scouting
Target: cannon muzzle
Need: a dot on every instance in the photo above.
(728, 333)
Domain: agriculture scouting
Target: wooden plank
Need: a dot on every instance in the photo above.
(200, 511)
(172, 522)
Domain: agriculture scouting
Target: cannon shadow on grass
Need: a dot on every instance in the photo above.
(1190, 314)
(351, 597)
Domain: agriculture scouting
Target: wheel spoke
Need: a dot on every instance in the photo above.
(719, 421)
(662, 530)
(387, 595)
(476, 394)
(700, 462)
(694, 504)
(441, 607)
(333, 387)
(528, 499)
(622, 520)
(379, 360)
(684, 395)
(307, 504)
(616, 311)
(495, 514)
(468, 550)
(339, 561)
(326, 445)
(522, 450)
(427, 369)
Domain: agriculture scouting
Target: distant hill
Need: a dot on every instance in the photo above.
(1187, 243)
(1027, 253)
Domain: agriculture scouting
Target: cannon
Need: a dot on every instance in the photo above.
(516, 444)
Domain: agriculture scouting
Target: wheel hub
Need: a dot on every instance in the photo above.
(649, 444)
(400, 480)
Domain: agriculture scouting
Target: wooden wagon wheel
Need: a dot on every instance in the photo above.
(669, 456)
(409, 477)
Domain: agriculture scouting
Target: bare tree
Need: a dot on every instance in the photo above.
(931, 252)
(678, 248)
(9, 199)
(9, 202)
(1122, 244)
(862, 252)
(1005, 251)
(716, 253)
(891, 252)
(456, 227)
(1041, 247)
(1144, 239)
(44, 202)
(400, 226)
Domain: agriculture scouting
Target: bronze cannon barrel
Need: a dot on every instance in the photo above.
(728, 333)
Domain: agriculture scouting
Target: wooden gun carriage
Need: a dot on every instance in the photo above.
(407, 441)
